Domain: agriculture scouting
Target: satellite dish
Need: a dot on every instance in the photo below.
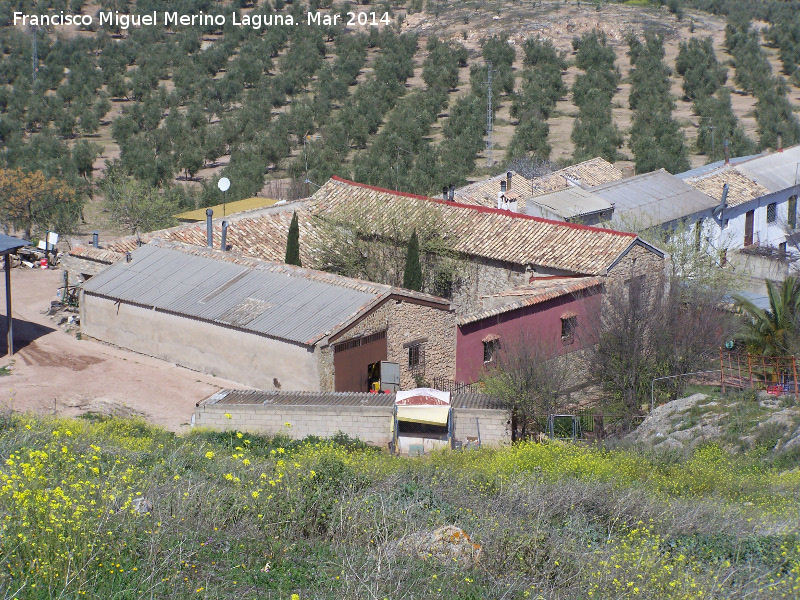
(224, 184)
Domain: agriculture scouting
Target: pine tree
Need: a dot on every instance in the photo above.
(412, 276)
(293, 243)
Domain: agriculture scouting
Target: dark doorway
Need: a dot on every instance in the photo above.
(748, 228)
(352, 358)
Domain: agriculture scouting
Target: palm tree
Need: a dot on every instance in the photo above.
(774, 331)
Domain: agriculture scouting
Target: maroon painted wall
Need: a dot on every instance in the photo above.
(539, 324)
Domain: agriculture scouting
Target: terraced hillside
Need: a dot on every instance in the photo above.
(279, 110)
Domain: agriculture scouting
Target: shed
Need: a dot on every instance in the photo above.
(476, 418)
(267, 325)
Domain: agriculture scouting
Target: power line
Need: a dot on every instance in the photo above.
(489, 115)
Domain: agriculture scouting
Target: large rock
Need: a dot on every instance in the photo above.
(445, 545)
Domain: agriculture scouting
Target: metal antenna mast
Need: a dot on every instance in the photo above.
(35, 52)
(489, 115)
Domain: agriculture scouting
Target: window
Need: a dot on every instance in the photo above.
(782, 249)
(569, 323)
(772, 212)
(489, 349)
(791, 218)
(416, 356)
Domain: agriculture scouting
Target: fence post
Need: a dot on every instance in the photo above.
(721, 370)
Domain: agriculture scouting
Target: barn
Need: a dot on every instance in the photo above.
(266, 325)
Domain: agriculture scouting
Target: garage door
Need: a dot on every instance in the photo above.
(351, 358)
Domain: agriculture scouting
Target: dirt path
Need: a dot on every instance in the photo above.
(52, 371)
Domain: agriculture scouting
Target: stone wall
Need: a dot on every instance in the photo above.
(639, 261)
(372, 425)
(482, 277)
(435, 329)
(78, 267)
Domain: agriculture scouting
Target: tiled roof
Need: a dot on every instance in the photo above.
(741, 189)
(487, 232)
(590, 173)
(536, 292)
(470, 400)
(474, 230)
(484, 193)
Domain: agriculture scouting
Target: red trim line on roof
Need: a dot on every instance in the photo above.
(483, 209)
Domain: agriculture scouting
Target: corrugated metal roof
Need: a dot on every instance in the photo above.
(571, 202)
(652, 199)
(468, 400)
(696, 172)
(279, 301)
(10, 244)
(777, 171)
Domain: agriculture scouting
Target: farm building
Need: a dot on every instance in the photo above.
(266, 325)
(760, 207)
(476, 419)
(548, 317)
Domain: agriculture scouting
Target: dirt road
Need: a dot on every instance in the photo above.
(53, 372)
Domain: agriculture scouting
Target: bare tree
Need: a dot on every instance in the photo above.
(372, 244)
(647, 332)
(530, 380)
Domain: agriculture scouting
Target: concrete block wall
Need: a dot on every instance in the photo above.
(495, 425)
(369, 424)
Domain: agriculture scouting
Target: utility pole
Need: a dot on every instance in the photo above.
(489, 115)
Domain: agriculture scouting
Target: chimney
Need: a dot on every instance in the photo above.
(452, 195)
(128, 257)
(508, 180)
(501, 196)
(95, 239)
(727, 152)
(718, 212)
(444, 193)
(224, 243)
(780, 143)
(209, 228)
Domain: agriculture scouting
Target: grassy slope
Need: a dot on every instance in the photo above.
(471, 22)
(238, 516)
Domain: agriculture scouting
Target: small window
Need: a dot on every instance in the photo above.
(416, 357)
(772, 212)
(791, 218)
(782, 249)
(568, 326)
(489, 349)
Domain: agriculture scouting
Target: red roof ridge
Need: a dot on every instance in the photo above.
(484, 209)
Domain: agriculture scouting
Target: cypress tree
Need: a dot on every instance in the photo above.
(293, 243)
(412, 276)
